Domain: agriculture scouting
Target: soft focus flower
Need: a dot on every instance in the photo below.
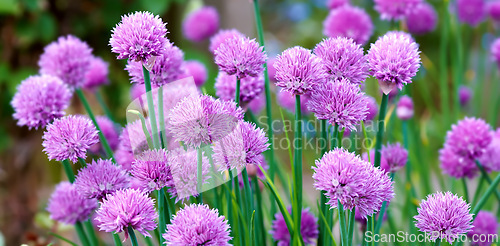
(100, 178)
(394, 9)
(469, 137)
(222, 36)
(133, 139)
(356, 183)
(383, 162)
(68, 58)
(343, 59)
(201, 24)
(494, 10)
(124, 158)
(394, 59)
(471, 12)
(139, 36)
(257, 104)
(136, 91)
(108, 129)
(421, 19)
(69, 138)
(490, 160)
(127, 208)
(456, 165)
(404, 109)
(372, 107)
(333, 4)
(395, 155)
(241, 56)
(203, 119)
(298, 71)
(250, 87)
(485, 226)
(271, 71)
(39, 100)
(349, 21)
(97, 74)
(66, 205)
(197, 224)
(152, 170)
(184, 167)
(287, 100)
(197, 70)
(308, 228)
(464, 95)
(444, 215)
(339, 102)
(495, 51)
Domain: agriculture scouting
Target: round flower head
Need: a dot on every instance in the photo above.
(241, 147)
(471, 12)
(124, 158)
(250, 87)
(372, 107)
(456, 165)
(166, 68)
(404, 109)
(494, 10)
(349, 21)
(97, 73)
(68, 58)
(464, 95)
(108, 129)
(126, 208)
(495, 51)
(395, 155)
(490, 160)
(100, 178)
(395, 9)
(298, 71)
(339, 102)
(394, 59)
(184, 166)
(201, 24)
(356, 183)
(201, 119)
(197, 224)
(343, 59)
(152, 171)
(308, 228)
(139, 36)
(485, 226)
(333, 4)
(421, 19)
(39, 100)
(241, 56)
(69, 138)
(469, 137)
(222, 36)
(197, 70)
(287, 100)
(444, 216)
(271, 71)
(68, 206)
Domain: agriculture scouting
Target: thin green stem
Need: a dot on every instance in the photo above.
(91, 232)
(161, 114)
(343, 228)
(443, 64)
(478, 191)
(378, 223)
(104, 106)
(466, 191)
(352, 222)
(81, 233)
(458, 68)
(117, 240)
(380, 130)
(260, 217)
(151, 108)
(486, 177)
(237, 96)
(248, 193)
(199, 175)
(492, 188)
(68, 169)
(322, 238)
(438, 242)
(133, 238)
(297, 165)
(161, 207)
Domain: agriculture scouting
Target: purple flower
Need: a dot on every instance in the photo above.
(39, 100)
(139, 36)
(166, 68)
(490, 160)
(201, 24)
(197, 224)
(471, 12)
(394, 59)
(395, 155)
(298, 71)
(464, 95)
(127, 208)
(124, 158)
(372, 107)
(69, 138)
(404, 109)
(287, 100)
(395, 9)
(456, 165)
(444, 215)
(108, 129)
(257, 104)
(383, 162)
(100, 178)
(221, 37)
(485, 228)
(66, 205)
(421, 19)
(250, 87)
(495, 51)
(67, 58)
(343, 59)
(197, 70)
(333, 4)
(97, 74)
(203, 119)
(350, 22)
(133, 139)
(271, 71)
(494, 10)
(469, 137)
(352, 181)
(241, 56)
(308, 228)
(184, 166)
(339, 102)
(152, 171)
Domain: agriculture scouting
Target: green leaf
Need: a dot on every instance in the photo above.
(9, 7)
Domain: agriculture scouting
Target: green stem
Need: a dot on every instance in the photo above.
(343, 228)
(133, 238)
(352, 222)
(151, 108)
(236, 186)
(237, 96)
(68, 169)
(322, 237)
(91, 232)
(458, 68)
(438, 242)
(260, 218)
(199, 176)
(117, 240)
(492, 188)
(380, 130)
(410, 190)
(443, 65)
(248, 193)
(161, 207)
(297, 190)
(161, 114)
(100, 100)
(81, 233)
(478, 191)
(378, 223)
(466, 191)
(486, 177)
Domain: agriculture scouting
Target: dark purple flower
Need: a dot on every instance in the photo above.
(68, 206)
(152, 170)
(404, 109)
(372, 108)
(221, 37)
(395, 9)
(395, 155)
(67, 58)
(184, 167)
(494, 10)
(100, 178)
(464, 95)
(485, 229)
(109, 130)
(350, 22)
(97, 74)
(241, 56)
(421, 19)
(471, 12)
(69, 138)
(444, 216)
(250, 87)
(333, 4)
(308, 228)
(201, 24)
(343, 59)
(490, 160)
(495, 51)
(197, 70)
(287, 100)
(197, 224)
(39, 100)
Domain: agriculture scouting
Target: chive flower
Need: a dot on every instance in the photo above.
(201, 24)
(250, 87)
(68, 206)
(350, 22)
(100, 178)
(240, 56)
(308, 228)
